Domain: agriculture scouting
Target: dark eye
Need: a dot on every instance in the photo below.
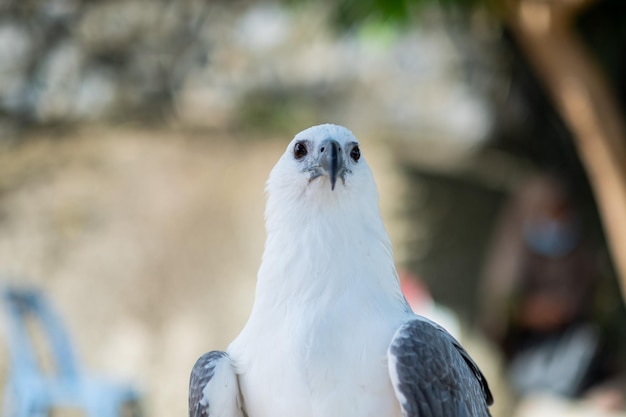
(355, 153)
(300, 150)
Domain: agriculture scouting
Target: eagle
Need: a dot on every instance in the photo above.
(330, 332)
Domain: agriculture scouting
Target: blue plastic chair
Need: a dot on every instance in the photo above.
(32, 392)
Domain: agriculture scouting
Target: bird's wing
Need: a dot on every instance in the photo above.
(213, 387)
(433, 375)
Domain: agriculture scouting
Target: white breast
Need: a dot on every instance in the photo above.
(330, 362)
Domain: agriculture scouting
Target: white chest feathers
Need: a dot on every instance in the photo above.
(324, 363)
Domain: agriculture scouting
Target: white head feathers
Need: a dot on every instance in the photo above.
(322, 169)
(322, 214)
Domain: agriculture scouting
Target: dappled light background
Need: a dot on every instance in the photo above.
(136, 137)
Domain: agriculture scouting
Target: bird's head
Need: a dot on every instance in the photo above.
(322, 218)
(322, 164)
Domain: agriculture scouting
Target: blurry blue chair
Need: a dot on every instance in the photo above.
(32, 392)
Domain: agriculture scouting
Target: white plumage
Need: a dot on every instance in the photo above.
(330, 333)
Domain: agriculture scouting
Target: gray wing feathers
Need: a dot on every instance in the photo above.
(433, 376)
(213, 387)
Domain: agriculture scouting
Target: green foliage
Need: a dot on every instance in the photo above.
(350, 12)
(346, 14)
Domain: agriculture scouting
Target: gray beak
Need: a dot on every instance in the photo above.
(331, 160)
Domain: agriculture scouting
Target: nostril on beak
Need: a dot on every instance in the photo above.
(336, 147)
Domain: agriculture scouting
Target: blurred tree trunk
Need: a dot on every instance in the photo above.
(544, 30)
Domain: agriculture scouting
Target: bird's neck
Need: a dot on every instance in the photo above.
(324, 253)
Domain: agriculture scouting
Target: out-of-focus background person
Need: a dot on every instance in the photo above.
(547, 303)
(136, 137)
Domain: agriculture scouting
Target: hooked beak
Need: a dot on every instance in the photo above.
(331, 160)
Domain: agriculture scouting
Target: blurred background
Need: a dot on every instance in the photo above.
(136, 137)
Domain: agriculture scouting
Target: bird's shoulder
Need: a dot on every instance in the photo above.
(213, 387)
(432, 373)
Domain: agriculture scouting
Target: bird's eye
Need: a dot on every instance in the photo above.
(300, 150)
(355, 153)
